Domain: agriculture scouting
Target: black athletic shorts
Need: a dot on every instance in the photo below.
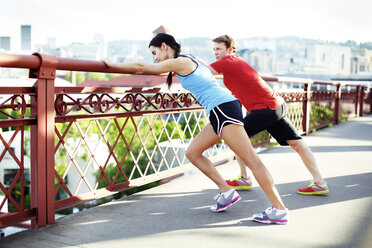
(225, 114)
(274, 121)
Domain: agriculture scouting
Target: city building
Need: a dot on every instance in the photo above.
(26, 37)
(99, 41)
(326, 60)
(259, 52)
(5, 43)
(84, 51)
(129, 50)
(51, 43)
(361, 61)
(263, 61)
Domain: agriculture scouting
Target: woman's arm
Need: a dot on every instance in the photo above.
(129, 68)
(169, 65)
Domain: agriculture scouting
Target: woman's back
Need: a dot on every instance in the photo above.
(203, 85)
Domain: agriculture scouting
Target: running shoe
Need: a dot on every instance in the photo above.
(272, 216)
(225, 200)
(240, 182)
(314, 189)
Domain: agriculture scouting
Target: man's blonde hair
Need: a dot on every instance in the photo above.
(229, 42)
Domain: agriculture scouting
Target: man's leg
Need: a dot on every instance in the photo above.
(318, 186)
(242, 181)
(308, 158)
(242, 167)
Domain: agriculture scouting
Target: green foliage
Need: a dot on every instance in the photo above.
(13, 113)
(260, 137)
(343, 113)
(320, 114)
(96, 76)
(4, 116)
(137, 133)
(189, 125)
(101, 76)
(112, 75)
(16, 194)
(80, 77)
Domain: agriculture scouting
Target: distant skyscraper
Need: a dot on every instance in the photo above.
(51, 43)
(26, 37)
(5, 43)
(99, 40)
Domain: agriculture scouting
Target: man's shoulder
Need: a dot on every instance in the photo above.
(227, 59)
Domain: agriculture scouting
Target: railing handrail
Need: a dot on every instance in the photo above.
(34, 61)
(68, 64)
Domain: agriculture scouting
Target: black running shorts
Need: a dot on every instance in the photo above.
(274, 121)
(225, 114)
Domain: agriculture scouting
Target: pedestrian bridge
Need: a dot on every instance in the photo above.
(177, 214)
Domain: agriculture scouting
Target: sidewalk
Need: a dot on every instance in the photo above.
(177, 214)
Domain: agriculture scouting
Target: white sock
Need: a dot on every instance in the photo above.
(227, 193)
(280, 211)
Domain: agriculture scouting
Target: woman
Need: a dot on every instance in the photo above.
(225, 122)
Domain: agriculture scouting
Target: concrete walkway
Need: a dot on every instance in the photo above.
(177, 214)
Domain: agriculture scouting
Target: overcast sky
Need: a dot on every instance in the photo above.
(79, 20)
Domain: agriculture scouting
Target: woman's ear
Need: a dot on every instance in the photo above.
(163, 46)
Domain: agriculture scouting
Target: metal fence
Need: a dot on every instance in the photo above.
(64, 146)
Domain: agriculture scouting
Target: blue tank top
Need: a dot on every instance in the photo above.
(203, 85)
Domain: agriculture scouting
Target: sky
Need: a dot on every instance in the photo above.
(79, 20)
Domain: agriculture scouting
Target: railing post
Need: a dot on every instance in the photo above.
(370, 100)
(361, 101)
(336, 117)
(306, 109)
(42, 140)
(357, 98)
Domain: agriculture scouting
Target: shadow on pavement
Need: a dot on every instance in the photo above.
(146, 214)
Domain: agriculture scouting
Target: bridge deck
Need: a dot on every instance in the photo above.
(176, 214)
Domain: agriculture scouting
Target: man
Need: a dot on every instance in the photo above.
(267, 111)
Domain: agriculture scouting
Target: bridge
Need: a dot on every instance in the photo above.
(84, 144)
(177, 214)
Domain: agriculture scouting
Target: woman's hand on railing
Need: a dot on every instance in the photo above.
(109, 63)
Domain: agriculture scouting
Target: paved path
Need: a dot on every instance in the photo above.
(176, 214)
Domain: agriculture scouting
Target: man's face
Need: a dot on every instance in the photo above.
(221, 51)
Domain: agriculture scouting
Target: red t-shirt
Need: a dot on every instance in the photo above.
(246, 84)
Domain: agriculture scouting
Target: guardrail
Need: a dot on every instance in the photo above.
(64, 146)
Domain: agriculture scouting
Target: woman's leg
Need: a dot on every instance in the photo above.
(237, 139)
(204, 140)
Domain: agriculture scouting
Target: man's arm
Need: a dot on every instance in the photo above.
(214, 72)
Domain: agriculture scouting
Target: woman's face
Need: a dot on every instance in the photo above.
(159, 53)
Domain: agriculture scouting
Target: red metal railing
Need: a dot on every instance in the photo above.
(123, 138)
